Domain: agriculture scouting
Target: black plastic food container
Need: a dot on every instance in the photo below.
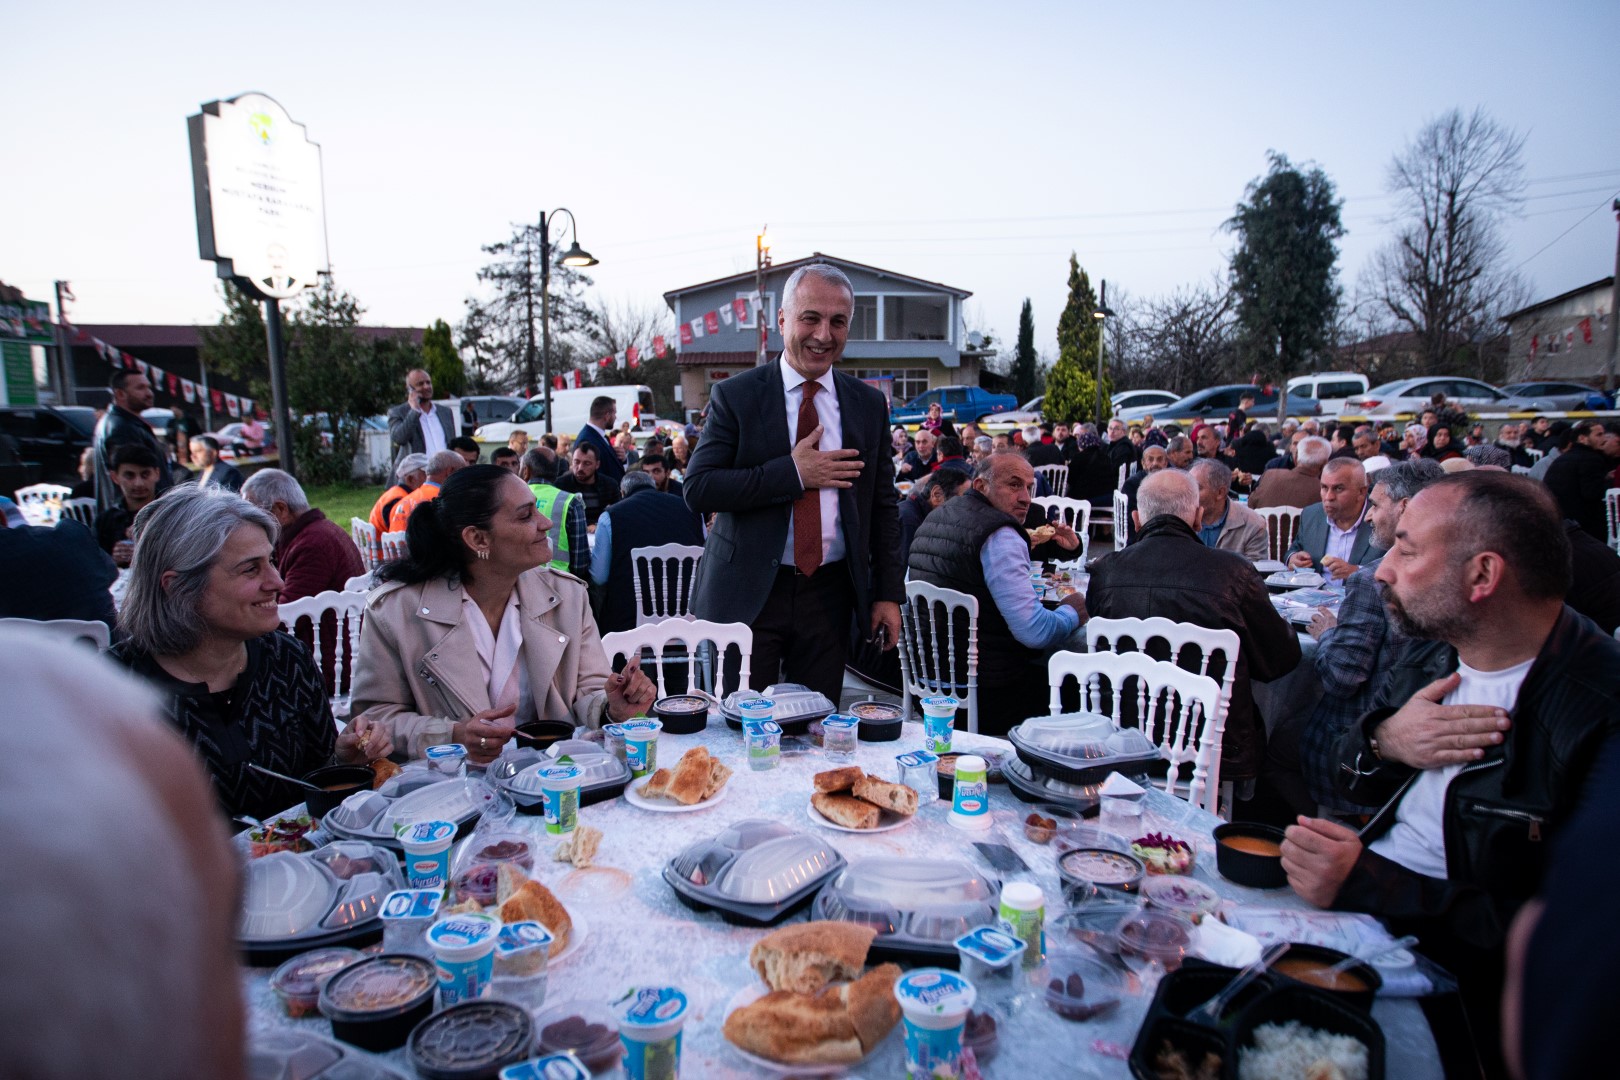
(472, 1041)
(1246, 867)
(387, 1026)
(352, 778)
(542, 733)
(682, 714)
(1314, 1009)
(879, 721)
(1366, 973)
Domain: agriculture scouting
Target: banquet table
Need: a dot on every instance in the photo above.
(636, 932)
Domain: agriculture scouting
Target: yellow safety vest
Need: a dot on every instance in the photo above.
(554, 504)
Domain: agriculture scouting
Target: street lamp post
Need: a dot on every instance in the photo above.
(1102, 315)
(574, 256)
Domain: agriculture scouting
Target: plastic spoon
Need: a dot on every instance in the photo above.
(1349, 962)
(282, 776)
(1215, 1005)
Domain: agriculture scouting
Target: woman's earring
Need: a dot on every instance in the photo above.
(483, 553)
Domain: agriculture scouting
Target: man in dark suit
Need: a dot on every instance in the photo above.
(1334, 535)
(604, 414)
(123, 426)
(419, 426)
(806, 529)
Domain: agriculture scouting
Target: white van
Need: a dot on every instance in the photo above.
(570, 409)
(1331, 389)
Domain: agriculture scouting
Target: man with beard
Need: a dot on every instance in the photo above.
(1511, 439)
(1478, 746)
(1154, 458)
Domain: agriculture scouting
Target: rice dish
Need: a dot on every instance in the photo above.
(1293, 1051)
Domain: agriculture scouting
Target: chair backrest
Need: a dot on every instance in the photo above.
(1122, 520)
(1282, 522)
(1075, 513)
(1535, 455)
(393, 546)
(1611, 507)
(1522, 470)
(1125, 471)
(360, 584)
(90, 630)
(367, 540)
(349, 608)
(668, 570)
(81, 510)
(43, 493)
(1057, 477)
(1173, 707)
(693, 636)
(939, 647)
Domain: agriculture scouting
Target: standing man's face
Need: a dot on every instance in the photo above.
(1060, 432)
(136, 396)
(814, 323)
(1116, 431)
(419, 388)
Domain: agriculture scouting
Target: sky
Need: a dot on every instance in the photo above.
(973, 144)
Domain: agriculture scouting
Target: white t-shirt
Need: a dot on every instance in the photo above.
(432, 430)
(1417, 840)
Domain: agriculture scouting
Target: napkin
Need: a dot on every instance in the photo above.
(1218, 943)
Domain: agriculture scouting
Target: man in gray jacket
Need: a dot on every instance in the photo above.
(419, 426)
(1228, 525)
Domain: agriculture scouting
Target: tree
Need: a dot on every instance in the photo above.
(1284, 271)
(1444, 277)
(1025, 377)
(612, 329)
(509, 324)
(1071, 385)
(1185, 341)
(237, 346)
(442, 361)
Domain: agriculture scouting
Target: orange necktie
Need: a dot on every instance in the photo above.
(807, 510)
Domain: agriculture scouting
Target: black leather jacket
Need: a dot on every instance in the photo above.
(1168, 571)
(1499, 810)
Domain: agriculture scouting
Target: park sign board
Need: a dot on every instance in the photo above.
(261, 216)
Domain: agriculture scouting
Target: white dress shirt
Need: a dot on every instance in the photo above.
(501, 657)
(432, 430)
(832, 438)
(1341, 542)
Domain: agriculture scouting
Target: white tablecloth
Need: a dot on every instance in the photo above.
(639, 931)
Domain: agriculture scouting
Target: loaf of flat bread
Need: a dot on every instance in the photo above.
(897, 797)
(719, 773)
(873, 1009)
(807, 956)
(657, 785)
(580, 846)
(691, 777)
(839, 1025)
(846, 810)
(835, 780)
(523, 899)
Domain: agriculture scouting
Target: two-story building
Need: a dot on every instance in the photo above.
(1566, 337)
(905, 336)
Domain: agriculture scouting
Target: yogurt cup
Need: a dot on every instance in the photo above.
(613, 739)
(464, 953)
(427, 853)
(840, 737)
(939, 720)
(989, 958)
(563, 1066)
(934, 1005)
(447, 758)
(406, 915)
(763, 740)
(559, 791)
(520, 964)
(919, 771)
(641, 746)
(650, 1020)
(756, 708)
(970, 799)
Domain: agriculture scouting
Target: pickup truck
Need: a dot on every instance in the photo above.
(959, 403)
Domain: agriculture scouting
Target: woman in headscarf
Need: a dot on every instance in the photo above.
(1440, 446)
(1415, 441)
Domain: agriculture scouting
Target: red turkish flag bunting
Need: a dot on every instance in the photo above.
(658, 346)
(174, 384)
(686, 333)
(1586, 330)
(233, 406)
(219, 400)
(740, 307)
(711, 322)
(632, 354)
(606, 361)
(189, 389)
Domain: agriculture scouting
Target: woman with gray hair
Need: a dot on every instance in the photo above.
(201, 623)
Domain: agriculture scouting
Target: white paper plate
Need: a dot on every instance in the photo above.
(888, 821)
(752, 993)
(1303, 579)
(669, 806)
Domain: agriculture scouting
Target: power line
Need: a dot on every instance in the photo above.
(1572, 228)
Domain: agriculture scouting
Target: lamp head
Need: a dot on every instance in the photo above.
(577, 256)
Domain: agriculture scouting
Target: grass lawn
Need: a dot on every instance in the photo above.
(340, 502)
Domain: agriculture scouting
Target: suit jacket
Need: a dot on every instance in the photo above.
(1299, 486)
(1244, 532)
(1312, 536)
(608, 463)
(405, 428)
(742, 471)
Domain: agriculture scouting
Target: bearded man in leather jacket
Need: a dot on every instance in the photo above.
(1478, 746)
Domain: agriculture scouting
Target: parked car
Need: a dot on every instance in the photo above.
(1409, 397)
(1027, 413)
(570, 409)
(1560, 396)
(958, 403)
(50, 437)
(475, 411)
(1135, 399)
(1330, 388)
(1217, 402)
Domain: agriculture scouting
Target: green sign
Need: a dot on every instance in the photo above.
(17, 368)
(27, 320)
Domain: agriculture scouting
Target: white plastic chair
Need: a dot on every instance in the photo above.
(349, 609)
(1535, 455)
(360, 584)
(90, 630)
(1522, 470)
(1057, 477)
(80, 510)
(393, 546)
(1186, 643)
(1611, 508)
(1282, 522)
(41, 504)
(932, 661)
(1174, 708)
(1076, 513)
(669, 570)
(692, 636)
(367, 540)
(1122, 520)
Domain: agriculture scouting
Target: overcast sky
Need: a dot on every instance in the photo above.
(974, 144)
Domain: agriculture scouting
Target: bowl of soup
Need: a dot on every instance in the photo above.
(1310, 964)
(1250, 854)
(337, 782)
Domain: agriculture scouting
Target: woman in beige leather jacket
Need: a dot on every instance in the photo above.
(473, 627)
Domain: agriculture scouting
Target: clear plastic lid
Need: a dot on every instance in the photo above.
(587, 1028)
(1079, 740)
(348, 859)
(595, 768)
(452, 799)
(378, 987)
(793, 701)
(1082, 986)
(304, 975)
(284, 1054)
(875, 712)
(1181, 895)
(285, 895)
(929, 901)
(1099, 866)
(1156, 935)
(1021, 776)
(768, 872)
(471, 1040)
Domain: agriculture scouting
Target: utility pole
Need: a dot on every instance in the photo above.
(1614, 307)
(545, 313)
(762, 260)
(528, 304)
(66, 384)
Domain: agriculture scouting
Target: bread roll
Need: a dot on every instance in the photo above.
(657, 785)
(522, 899)
(719, 773)
(897, 797)
(691, 777)
(808, 956)
(835, 780)
(796, 1029)
(846, 810)
(873, 1010)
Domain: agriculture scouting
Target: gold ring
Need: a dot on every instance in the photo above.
(482, 742)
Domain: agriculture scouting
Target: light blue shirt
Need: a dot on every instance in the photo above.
(602, 550)
(1005, 559)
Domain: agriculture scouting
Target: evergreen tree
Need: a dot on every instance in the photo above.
(1071, 385)
(442, 362)
(1025, 378)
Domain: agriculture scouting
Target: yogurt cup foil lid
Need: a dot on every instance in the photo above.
(560, 776)
(520, 936)
(641, 728)
(445, 752)
(990, 946)
(759, 729)
(412, 904)
(563, 1066)
(916, 758)
(934, 992)
(427, 832)
(461, 931)
(651, 1006)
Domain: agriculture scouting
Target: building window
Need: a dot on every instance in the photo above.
(916, 318)
(770, 310)
(908, 382)
(863, 324)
